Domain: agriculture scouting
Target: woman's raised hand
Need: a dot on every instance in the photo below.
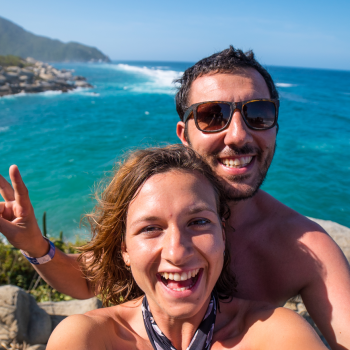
(17, 220)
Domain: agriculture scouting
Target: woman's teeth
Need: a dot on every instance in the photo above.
(237, 162)
(180, 281)
(179, 277)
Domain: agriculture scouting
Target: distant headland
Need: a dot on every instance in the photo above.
(31, 76)
(14, 40)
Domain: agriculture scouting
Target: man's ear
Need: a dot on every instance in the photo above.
(125, 254)
(180, 132)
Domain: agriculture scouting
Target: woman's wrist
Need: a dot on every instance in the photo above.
(44, 258)
(38, 248)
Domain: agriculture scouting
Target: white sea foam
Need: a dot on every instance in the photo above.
(160, 76)
(4, 128)
(83, 92)
(284, 85)
(160, 80)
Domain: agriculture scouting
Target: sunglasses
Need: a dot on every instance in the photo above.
(215, 116)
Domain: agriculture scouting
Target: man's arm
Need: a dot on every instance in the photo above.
(327, 295)
(19, 226)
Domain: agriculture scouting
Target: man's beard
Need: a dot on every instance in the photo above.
(233, 193)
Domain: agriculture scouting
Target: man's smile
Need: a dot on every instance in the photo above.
(236, 162)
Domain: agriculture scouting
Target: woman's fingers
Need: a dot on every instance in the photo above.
(21, 195)
(6, 190)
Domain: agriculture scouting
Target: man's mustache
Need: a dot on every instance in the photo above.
(231, 151)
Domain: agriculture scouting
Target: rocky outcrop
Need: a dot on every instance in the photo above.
(339, 233)
(23, 321)
(38, 77)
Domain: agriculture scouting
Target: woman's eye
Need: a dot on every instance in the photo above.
(200, 222)
(150, 229)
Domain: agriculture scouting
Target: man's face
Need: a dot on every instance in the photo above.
(239, 155)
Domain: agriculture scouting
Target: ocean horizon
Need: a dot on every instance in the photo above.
(65, 143)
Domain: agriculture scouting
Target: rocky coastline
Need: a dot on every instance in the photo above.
(32, 76)
(27, 325)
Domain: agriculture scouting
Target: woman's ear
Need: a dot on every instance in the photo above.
(125, 254)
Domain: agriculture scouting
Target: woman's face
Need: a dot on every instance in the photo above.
(175, 242)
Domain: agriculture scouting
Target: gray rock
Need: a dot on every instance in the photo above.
(27, 72)
(37, 347)
(71, 307)
(13, 69)
(2, 80)
(21, 318)
(339, 233)
(81, 83)
(11, 77)
(5, 88)
(31, 60)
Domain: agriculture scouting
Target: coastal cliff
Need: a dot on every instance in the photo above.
(14, 40)
(32, 76)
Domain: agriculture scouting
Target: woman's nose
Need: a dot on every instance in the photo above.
(177, 246)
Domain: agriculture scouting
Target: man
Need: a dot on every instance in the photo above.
(276, 252)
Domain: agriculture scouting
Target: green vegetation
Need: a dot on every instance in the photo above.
(15, 269)
(14, 40)
(11, 60)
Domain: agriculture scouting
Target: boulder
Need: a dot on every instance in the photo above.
(31, 60)
(2, 80)
(81, 83)
(27, 72)
(14, 69)
(46, 76)
(339, 233)
(37, 347)
(21, 319)
(11, 77)
(71, 307)
(5, 88)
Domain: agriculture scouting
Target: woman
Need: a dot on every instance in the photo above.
(158, 254)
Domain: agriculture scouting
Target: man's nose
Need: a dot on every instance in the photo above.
(237, 133)
(177, 246)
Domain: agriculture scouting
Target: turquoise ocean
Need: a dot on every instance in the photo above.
(64, 143)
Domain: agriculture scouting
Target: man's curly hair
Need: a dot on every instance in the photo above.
(230, 60)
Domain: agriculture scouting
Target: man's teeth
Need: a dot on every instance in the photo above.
(237, 162)
(180, 277)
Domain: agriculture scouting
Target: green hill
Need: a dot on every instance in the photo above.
(14, 40)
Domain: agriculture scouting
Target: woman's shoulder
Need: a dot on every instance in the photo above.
(81, 332)
(98, 329)
(276, 328)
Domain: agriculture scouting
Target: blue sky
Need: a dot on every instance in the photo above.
(295, 33)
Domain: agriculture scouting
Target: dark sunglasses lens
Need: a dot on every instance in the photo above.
(260, 114)
(213, 116)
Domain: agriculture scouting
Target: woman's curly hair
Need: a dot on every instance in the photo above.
(104, 265)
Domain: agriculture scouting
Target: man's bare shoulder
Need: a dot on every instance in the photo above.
(285, 220)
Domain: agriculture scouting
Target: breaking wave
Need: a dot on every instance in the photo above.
(284, 85)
